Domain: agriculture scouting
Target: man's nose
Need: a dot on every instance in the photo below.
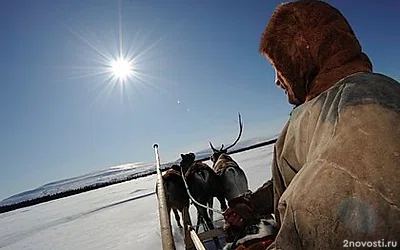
(277, 82)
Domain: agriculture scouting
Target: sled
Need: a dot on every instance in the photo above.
(203, 240)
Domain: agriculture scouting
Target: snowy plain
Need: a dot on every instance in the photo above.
(120, 216)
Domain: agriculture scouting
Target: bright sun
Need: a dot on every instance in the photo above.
(118, 64)
(122, 69)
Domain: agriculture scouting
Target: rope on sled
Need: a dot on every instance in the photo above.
(193, 199)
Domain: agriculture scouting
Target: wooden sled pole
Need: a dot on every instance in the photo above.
(165, 224)
(196, 240)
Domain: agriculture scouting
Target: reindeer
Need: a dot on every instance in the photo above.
(176, 195)
(233, 178)
(203, 185)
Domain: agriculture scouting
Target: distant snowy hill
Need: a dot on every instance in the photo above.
(112, 174)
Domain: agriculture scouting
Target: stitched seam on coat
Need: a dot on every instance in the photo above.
(297, 230)
(290, 166)
(340, 93)
(315, 214)
(365, 184)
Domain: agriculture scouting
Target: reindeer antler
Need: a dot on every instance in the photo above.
(240, 133)
(222, 149)
(212, 147)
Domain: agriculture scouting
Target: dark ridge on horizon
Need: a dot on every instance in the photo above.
(67, 193)
(164, 167)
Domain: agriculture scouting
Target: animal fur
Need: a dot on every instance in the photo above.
(312, 47)
(234, 180)
(266, 227)
(176, 195)
(204, 185)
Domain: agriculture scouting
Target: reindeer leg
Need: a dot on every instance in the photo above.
(199, 219)
(186, 216)
(203, 216)
(169, 214)
(221, 198)
(210, 204)
(210, 225)
(222, 201)
(177, 218)
(186, 224)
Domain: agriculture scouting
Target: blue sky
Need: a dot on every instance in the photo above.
(199, 65)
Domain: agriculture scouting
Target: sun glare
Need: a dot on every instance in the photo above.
(122, 69)
(118, 64)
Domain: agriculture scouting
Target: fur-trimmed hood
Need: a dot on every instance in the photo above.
(311, 46)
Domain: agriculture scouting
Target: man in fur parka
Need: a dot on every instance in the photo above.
(336, 166)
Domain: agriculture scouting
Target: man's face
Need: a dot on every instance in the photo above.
(287, 87)
(283, 83)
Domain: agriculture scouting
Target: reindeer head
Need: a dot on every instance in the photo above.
(218, 152)
(176, 168)
(187, 160)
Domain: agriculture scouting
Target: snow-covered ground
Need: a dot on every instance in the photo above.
(121, 216)
(111, 174)
(114, 173)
